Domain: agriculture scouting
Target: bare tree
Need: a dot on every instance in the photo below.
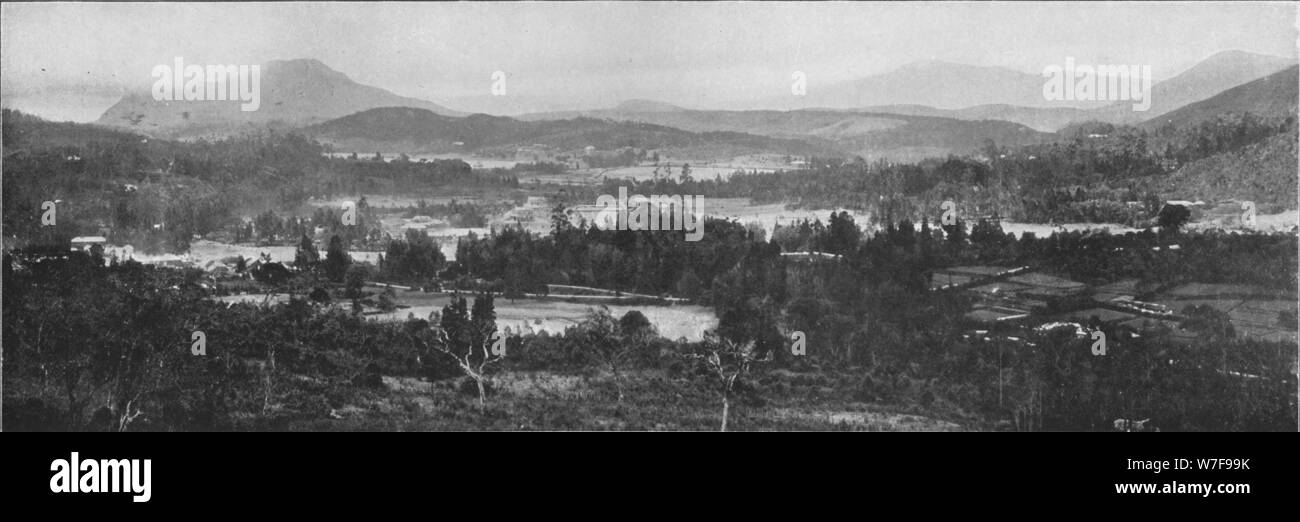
(728, 362)
(127, 381)
(473, 364)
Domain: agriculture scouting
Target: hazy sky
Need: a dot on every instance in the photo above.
(73, 59)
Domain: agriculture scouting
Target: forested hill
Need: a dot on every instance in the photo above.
(870, 134)
(1263, 172)
(23, 131)
(395, 129)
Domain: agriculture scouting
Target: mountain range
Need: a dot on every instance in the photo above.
(938, 84)
(1273, 94)
(966, 92)
(923, 109)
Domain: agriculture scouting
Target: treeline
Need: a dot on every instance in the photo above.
(269, 228)
(1096, 204)
(1225, 133)
(158, 194)
(659, 262)
(354, 176)
(872, 328)
(1093, 173)
(662, 262)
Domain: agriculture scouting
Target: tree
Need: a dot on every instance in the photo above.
(320, 295)
(728, 362)
(469, 340)
(273, 274)
(842, 235)
(1172, 218)
(956, 233)
(483, 318)
(559, 221)
(97, 254)
(388, 300)
(416, 256)
(336, 260)
(306, 256)
(356, 280)
(634, 323)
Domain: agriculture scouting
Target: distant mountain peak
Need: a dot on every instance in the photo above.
(937, 65)
(939, 84)
(299, 62)
(1246, 63)
(294, 92)
(931, 63)
(307, 68)
(1237, 54)
(640, 105)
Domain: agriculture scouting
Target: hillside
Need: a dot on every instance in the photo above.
(898, 137)
(1265, 173)
(293, 93)
(415, 130)
(23, 131)
(1272, 95)
(1042, 119)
